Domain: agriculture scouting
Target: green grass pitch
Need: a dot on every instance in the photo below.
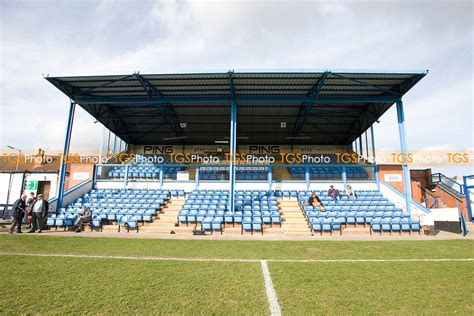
(80, 285)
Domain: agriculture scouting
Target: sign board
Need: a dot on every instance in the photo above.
(393, 177)
(80, 175)
(31, 185)
(182, 176)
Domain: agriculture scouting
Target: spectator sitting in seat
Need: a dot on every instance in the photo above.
(85, 218)
(350, 193)
(315, 201)
(333, 193)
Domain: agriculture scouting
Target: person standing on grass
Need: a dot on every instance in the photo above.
(18, 212)
(39, 211)
(29, 203)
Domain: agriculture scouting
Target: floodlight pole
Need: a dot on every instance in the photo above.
(403, 145)
(233, 146)
(63, 168)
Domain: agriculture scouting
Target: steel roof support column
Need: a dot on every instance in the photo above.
(196, 178)
(376, 176)
(270, 177)
(306, 177)
(125, 178)
(374, 158)
(366, 146)
(115, 144)
(403, 145)
(67, 144)
(161, 177)
(102, 141)
(233, 147)
(108, 146)
(344, 178)
(373, 142)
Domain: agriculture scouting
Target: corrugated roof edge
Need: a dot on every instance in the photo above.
(263, 71)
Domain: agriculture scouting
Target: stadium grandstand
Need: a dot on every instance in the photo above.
(241, 152)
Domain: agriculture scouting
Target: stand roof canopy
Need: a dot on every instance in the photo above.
(314, 107)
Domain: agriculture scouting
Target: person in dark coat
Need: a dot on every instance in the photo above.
(333, 193)
(39, 213)
(315, 201)
(85, 218)
(18, 212)
(29, 203)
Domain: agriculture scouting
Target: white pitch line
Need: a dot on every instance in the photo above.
(124, 257)
(372, 260)
(70, 255)
(271, 294)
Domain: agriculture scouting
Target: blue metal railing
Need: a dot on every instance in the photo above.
(431, 202)
(413, 202)
(467, 190)
(7, 209)
(448, 182)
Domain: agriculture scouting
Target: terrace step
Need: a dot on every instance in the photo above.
(293, 221)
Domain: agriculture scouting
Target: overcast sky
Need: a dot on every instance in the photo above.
(121, 37)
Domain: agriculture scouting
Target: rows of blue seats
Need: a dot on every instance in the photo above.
(389, 224)
(329, 172)
(69, 220)
(395, 224)
(242, 173)
(370, 207)
(210, 209)
(130, 205)
(143, 171)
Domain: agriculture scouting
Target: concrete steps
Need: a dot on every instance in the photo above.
(165, 223)
(293, 220)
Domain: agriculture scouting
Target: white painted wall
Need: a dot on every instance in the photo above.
(186, 186)
(416, 212)
(4, 183)
(16, 187)
(52, 177)
(340, 185)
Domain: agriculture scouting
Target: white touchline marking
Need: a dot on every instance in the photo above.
(271, 294)
(71, 255)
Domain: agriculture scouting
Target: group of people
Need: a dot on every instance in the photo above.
(314, 200)
(36, 210)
